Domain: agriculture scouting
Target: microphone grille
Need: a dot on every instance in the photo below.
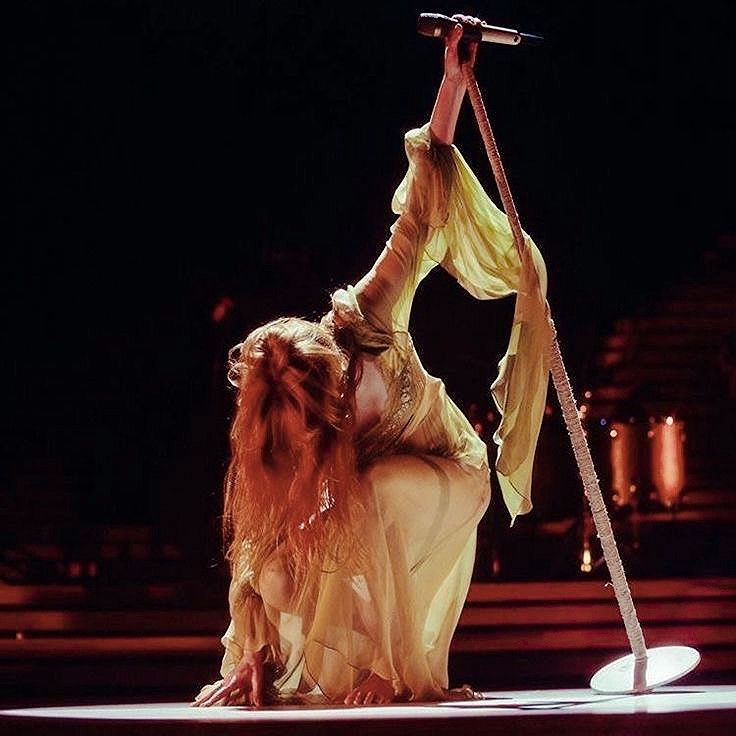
(434, 24)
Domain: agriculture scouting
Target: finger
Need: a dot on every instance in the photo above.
(455, 35)
(369, 696)
(246, 696)
(218, 693)
(211, 699)
(205, 692)
(205, 696)
(197, 699)
(256, 683)
(215, 698)
(232, 697)
(350, 697)
(452, 44)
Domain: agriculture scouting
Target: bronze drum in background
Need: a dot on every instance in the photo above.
(667, 460)
(620, 454)
(627, 458)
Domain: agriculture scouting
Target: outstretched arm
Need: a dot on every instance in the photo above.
(386, 291)
(452, 88)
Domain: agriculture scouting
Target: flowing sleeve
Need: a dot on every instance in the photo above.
(445, 217)
(250, 626)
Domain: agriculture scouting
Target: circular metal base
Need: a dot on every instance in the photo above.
(662, 665)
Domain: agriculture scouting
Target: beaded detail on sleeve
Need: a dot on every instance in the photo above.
(406, 397)
(405, 382)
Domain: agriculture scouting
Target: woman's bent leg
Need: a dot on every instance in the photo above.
(426, 513)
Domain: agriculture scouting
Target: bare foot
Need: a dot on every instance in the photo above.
(373, 689)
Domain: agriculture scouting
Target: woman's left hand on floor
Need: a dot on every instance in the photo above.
(245, 680)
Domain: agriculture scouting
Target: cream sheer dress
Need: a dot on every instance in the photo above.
(425, 470)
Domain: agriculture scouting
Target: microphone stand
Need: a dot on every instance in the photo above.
(643, 669)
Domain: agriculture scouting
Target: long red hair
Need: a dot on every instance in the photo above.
(291, 482)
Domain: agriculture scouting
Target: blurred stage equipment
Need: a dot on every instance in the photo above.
(644, 669)
(667, 458)
(626, 457)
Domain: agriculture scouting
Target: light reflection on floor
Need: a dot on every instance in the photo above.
(555, 703)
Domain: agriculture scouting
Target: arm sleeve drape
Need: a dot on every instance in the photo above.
(250, 627)
(445, 217)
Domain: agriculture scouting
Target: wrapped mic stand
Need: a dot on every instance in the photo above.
(644, 669)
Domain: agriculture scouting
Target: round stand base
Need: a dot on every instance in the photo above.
(662, 665)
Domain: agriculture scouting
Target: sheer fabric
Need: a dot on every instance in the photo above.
(424, 469)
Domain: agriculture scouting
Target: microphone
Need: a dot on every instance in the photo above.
(438, 25)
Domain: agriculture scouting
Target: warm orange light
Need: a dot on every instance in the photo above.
(625, 461)
(586, 565)
(668, 460)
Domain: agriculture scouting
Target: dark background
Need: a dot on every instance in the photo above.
(160, 156)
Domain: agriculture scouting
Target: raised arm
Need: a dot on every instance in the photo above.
(386, 291)
(445, 217)
(452, 87)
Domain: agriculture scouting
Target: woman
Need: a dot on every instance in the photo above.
(356, 485)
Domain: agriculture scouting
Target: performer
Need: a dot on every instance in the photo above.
(355, 484)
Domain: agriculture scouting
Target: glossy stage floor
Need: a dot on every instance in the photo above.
(671, 710)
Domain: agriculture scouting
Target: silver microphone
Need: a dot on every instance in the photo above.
(438, 25)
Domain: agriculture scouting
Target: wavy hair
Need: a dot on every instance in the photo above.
(291, 482)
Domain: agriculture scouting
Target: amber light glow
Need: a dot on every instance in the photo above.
(625, 458)
(668, 459)
(586, 563)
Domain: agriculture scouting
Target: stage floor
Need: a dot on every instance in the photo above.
(667, 710)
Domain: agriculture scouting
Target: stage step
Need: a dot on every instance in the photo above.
(566, 629)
